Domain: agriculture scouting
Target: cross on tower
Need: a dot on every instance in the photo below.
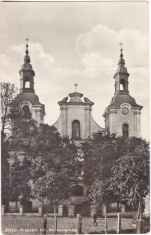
(75, 87)
(27, 39)
(121, 44)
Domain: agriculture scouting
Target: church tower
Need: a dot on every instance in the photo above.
(27, 98)
(122, 116)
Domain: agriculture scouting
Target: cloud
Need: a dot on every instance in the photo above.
(95, 60)
(105, 41)
(36, 53)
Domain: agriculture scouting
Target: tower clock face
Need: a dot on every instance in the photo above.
(26, 109)
(26, 105)
(125, 110)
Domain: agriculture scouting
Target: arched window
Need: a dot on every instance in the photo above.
(125, 131)
(26, 82)
(76, 130)
(77, 190)
(122, 85)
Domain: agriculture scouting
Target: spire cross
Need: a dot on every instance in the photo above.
(27, 39)
(75, 87)
(121, 44)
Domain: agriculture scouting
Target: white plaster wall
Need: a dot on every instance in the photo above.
(117, 119)
(82, 113)
(37, 114)
(76, 113)
(58, 124)
(94, 127)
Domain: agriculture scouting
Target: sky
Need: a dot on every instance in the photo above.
(77, 43)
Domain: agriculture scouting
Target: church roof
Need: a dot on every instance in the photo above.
(121, 98)
(27, 96)
(26, 66)
(121, 68)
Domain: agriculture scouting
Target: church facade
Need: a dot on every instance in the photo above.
(76, 119)
(122, 117)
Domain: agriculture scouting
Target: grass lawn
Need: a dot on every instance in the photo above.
(33, 225)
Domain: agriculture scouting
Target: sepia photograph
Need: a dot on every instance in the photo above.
(75, 117)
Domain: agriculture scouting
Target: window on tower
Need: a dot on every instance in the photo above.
(76, 130)
(125, 131)
(122, 85)
(27, 84)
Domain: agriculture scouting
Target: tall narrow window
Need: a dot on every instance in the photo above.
(125, 131)
(76, 130)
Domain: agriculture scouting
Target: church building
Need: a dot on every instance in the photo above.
(122, 117)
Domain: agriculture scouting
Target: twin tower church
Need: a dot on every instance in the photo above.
(122, 115)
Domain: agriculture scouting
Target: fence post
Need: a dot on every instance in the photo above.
(21, 210)
(139, 226)
(104, 210)
(92, 210)
(71, 211)
(122, 209)
(44, 224)
(119, 223)
(79, 224)
(40, 211)
(60, 210)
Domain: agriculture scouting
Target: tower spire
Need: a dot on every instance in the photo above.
(27, 58)
(121, 75)
(27, 73)
(121, 60)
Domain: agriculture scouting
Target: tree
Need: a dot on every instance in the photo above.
(16, 183)
(53, 162)
(48, 161)
(99, 154)
(116, 169)
(8, 94)
(15, 179)
(130, 174)
(4, 166)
